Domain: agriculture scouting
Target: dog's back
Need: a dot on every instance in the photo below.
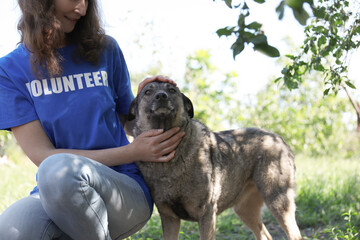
(242, 155)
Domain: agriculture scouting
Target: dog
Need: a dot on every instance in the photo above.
(213, 171)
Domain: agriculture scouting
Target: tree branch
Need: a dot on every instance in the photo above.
(355, 105)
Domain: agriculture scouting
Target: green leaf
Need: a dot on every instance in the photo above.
(259, 1)
(254, 26)
(267, 50)
(350, 84)
(226, 31)
(260, 39)
(306, 48)
(294, 4)
(320, 12)
(319, 67)
(238, 47)
(321, 41)
(292, 57)
(313, 49)
(299, 12)
(277, 79)
(281, 9)
(228, 3)
(245, 7)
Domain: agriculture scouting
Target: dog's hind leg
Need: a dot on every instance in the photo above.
(283, 209)
(170, 227)
(277, 187)
(249, 210)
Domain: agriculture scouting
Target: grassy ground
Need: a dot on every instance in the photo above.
(328, 206)
(328, 202)
(16, 181)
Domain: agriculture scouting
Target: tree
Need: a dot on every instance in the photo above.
(311, 123)
(252, 34)
(331, 37)
(330, 40)
(209, 89)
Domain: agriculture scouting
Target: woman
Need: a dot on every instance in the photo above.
(65, 93)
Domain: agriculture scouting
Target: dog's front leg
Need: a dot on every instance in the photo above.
(207, 225)
(170, 227)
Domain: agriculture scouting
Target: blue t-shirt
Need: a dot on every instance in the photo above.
(78, 110)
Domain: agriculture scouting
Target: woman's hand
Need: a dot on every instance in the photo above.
(156, 145)
(157, 78)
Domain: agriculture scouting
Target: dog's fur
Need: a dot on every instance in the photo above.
(211, 171)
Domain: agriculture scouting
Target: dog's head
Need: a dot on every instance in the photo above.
(160, 105)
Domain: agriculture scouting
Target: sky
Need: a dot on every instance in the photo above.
(167, 31)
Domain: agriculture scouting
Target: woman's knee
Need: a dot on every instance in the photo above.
(57, 174)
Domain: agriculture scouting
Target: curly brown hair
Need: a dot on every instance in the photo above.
(41, 34)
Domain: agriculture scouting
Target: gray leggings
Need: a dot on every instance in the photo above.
(79, 199)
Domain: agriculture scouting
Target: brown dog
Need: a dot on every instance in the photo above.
(211, 171)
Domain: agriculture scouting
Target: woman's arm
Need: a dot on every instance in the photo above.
(150, 146)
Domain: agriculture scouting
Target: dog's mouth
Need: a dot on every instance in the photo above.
(161, 116)
(162, 111)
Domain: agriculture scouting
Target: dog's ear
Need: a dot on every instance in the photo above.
(188, 106)
(133, 110)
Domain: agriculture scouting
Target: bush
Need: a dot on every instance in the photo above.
(310, 123)
(4, 138)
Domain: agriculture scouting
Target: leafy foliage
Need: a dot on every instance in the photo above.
(209, 89)
(350, 231)
(310, 123)
(330, 38)
(252, 34)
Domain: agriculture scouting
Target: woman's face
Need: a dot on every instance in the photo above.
(68, 12)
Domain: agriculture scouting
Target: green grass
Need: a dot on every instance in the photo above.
(16, 181)
(328, 202)
(326, 189)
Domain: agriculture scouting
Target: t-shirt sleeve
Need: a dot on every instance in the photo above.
(121, 81)
(16, 106)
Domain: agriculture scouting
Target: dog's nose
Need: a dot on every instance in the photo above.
(161, 96)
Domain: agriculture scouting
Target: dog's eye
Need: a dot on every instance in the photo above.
(172, 90)
(147, 92)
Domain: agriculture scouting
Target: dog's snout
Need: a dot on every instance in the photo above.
(161, 96)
